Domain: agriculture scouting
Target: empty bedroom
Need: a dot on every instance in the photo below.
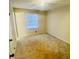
(39, 29)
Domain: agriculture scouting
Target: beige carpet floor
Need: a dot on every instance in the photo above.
(42, 46)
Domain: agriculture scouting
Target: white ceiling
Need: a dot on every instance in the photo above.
(39, 4)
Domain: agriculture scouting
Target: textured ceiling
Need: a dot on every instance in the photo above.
(39, 4)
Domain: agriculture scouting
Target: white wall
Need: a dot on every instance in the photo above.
(22, 31)
(58, 23)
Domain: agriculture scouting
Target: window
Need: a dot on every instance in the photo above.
(32, 21)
